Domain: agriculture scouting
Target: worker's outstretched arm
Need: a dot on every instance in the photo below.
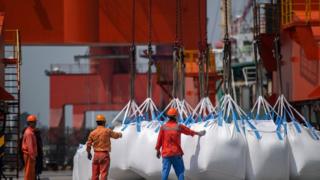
(187, 131)
(115, 135)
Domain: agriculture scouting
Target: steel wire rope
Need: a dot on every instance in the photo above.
(132, 52)
(201, 55)
(149, 51)
(226, 53)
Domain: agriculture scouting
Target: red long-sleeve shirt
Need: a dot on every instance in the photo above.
(29, 143)
(169, 138)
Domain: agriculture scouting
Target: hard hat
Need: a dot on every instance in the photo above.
(31, 118)
(100, 117)
(172, 112)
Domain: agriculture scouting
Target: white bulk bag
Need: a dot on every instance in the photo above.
(142, 156)
(220, 154)
(305, 156)
(120, 150)
(303, 141)
(269, 156)
(82, 167)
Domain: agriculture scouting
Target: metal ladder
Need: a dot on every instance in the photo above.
(12, 62)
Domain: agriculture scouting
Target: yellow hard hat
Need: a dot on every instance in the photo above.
(31, 118)
(100, 117)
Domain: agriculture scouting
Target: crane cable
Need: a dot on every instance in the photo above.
(256, 44)
(206, 51)
(149, 51)
(133, 52)
(181, 62)
(277, 48)
(177, 49)
(226, 54)
(201, 53)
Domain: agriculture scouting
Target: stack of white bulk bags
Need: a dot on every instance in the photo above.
(268, 144)
(304, 144)
(268, 156)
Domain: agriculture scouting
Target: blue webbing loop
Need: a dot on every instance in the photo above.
(294, 121)
(278, 130)
(220, 119)
(158, 128)
(153, 116)
(254, 129)
(243, 124)
(124, 127)
(138, 123)
(234, 117)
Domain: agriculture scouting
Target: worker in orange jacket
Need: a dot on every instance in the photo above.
(169, 139)
(100, 140)
(29, 148)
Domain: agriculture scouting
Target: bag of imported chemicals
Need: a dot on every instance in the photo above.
(120, 148)
(120, 152)
(304, 144)
(82, 166)
(221, 153)
(268, 157)
(142, 155)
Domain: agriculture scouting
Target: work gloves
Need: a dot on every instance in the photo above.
(202, 133)
(89, 156)
(158, 154)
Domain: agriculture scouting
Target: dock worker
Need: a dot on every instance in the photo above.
(99, 138)
(29, 148)
(169, 141)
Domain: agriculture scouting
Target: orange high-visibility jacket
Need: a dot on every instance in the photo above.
(29, 143)
(100, 139)
(169, 138)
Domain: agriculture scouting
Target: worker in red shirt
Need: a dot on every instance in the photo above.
(29, 148)
(169, 139)
(100, 140)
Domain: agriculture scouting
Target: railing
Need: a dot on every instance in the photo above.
(293, 10)
(12, 41)
(268, 18)
(72, 68)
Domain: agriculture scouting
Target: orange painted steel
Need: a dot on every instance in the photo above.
(99, 21)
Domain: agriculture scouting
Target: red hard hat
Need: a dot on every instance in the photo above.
(31, 118)
(172, 112)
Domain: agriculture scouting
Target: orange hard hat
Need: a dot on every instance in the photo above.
(31, 118)
(172, 112)
(100, 117)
